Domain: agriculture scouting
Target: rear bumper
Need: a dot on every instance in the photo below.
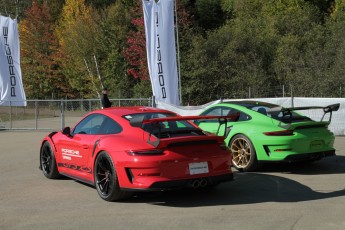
(309, 156)
(304, 156)
(186, 183)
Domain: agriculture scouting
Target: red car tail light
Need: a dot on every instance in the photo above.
(146, 152)
(280, 133)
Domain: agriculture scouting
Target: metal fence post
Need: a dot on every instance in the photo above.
(10, 114)
(283, 90)
(292, 102)
(153, 101)
(62, 106)
(36, 114)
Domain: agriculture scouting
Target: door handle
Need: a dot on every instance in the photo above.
(85, 146)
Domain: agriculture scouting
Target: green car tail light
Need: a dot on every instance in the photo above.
(280, 133)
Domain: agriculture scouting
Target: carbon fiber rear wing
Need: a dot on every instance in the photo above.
(287, 112)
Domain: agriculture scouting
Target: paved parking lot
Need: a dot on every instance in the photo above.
(279, 196)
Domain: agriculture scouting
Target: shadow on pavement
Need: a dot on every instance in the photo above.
(254, 187)
(248, 188)
(328, 165)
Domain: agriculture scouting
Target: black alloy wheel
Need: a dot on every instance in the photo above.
(48, 162)
(106, 180)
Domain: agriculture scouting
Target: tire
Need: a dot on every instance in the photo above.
(48, 162)
(106, 181)
(243, 153)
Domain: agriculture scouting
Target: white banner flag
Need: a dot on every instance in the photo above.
(161, 50)
(11, 85)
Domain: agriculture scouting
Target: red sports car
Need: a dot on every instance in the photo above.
(125, 149)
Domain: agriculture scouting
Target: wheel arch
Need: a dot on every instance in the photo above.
(52, 145)
(256, 142)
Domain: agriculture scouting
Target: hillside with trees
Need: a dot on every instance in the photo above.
(228, 48)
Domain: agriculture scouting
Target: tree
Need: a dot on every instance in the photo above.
(38, 48)
(114, 25)
(135, 52)
(12, 8)
(79, 38)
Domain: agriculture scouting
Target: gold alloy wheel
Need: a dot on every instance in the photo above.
(241, 152)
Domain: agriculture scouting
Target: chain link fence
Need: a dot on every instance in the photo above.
(55, 114)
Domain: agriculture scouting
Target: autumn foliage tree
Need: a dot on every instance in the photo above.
(78, 36)
(38, 49)
(227, 49)
(135, 53)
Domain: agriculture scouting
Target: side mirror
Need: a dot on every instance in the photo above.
(66, 131)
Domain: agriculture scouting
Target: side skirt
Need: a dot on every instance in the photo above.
(78, 179)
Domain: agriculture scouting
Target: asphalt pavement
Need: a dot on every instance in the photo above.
(278, 196)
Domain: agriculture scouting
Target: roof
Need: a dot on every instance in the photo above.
(121, 111)
(249, 103)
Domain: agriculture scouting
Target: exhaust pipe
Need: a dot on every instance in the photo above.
(203, 183)
(196, 183)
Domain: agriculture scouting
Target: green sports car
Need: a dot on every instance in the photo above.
(268, 132)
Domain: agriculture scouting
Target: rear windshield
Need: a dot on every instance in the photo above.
(167, 128)
(263, 108)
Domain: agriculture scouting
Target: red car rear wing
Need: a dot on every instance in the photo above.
(155, 122)
(232, 117)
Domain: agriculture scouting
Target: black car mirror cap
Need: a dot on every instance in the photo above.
(66, 131)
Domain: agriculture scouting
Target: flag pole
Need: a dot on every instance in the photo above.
(178, 53)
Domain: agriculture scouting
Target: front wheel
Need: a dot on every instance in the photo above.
(243, 153)
(48, 162)
(106, 181)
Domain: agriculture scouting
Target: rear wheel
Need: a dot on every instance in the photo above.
(243, 153)
(48, 162)
(106, 180)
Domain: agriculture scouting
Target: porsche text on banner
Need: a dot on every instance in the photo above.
(161, 50)
(11, 86)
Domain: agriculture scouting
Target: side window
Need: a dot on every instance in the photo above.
(90, 124)
(243, 116)
(261, 109)
(217, 111)
(213, 112)
(109, 126)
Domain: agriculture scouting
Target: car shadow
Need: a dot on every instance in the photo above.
(271, 183)
(255, 187)
(328, 165)
(247, 188)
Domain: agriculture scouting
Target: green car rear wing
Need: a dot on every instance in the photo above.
(287, 114)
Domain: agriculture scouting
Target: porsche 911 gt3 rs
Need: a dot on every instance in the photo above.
(125, 149)
(267, 132)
